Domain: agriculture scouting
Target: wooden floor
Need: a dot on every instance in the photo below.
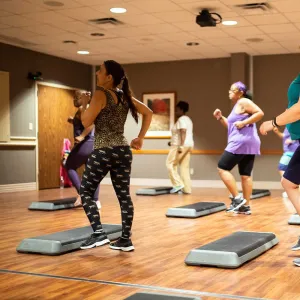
(161, 245)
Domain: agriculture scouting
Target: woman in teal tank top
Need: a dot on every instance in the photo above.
(291, 118)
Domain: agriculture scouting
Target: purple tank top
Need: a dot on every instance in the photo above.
(291, 147)
(78, 127)
(242, 141)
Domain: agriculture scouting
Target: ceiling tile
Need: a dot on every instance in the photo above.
(179, 36)
(236, 48)
(210, 32)
(297, 25)
(45, 30)
(83, 13)
(176, 16)
(77, 26)
(140, 20)
(267, 19)
(155, 5)
(130, 31)
(49, 17)
(147, 39)
(241, 31)
(265, 47)
(17, 21)
(282, 28)
(87, 35)
(286, 5)
(16, 32)
(196, 7)
(224, 41)
(67, 4)
(105, 8)
(241, 22)
(293, 17)
(20, 7)
(264, 37)
(187, 26)
(160, 28)
(285, 37)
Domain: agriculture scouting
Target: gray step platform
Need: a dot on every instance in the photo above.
(233, 250)
(158, 296)
(196, 210)
(64, 241)
(53, 204)
(256, 194)
(154, 191)
(294, 220)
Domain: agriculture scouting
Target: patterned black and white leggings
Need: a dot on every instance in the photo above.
(117, 160)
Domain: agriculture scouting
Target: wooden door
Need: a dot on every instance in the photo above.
(55, 105)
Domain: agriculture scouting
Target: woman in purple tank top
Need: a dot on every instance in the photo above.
(243, 144)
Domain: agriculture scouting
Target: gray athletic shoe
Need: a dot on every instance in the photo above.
(297, 246)
(297, 262)
(236, 203)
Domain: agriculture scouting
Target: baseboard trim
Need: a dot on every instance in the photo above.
(271, 185)
(18, 187)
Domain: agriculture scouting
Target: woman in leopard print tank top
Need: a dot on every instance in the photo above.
(108, 110)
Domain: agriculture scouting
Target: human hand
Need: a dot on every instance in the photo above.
(137, 143)
(78, 139)
(217, 114)
(239, 124)
(265, 127)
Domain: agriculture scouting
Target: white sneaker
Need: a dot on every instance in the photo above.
(285, 195)
(176, 189)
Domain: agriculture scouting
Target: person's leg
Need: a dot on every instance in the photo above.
(172, 164)
(185, 170)
(96, 169)
(78, 157)
(282, 167)
(226, 163)
(290, 182)
(120, 176)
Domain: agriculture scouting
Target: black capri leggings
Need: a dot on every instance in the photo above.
(245, 162)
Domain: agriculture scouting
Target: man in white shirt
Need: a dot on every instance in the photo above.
(182, 143)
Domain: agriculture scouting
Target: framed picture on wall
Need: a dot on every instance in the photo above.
(163, 107)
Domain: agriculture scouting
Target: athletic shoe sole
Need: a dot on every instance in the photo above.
(295, 248)
(125, 249)
(97, 244)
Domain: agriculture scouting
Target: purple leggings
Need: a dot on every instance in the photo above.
(78, 157)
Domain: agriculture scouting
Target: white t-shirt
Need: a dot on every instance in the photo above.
(184, 122)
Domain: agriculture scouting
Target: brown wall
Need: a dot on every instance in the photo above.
(204, 84)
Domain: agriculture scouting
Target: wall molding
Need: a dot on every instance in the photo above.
(199, 152)
(272, 185)
(18, 187)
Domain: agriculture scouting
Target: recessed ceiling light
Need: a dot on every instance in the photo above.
(69, 42)
(229, 23)
(97, 34)
(192, 44)
(254, 40)
(53, 3)
(118, 10)
(83, 52)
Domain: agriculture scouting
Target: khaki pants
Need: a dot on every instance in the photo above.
(183, 160)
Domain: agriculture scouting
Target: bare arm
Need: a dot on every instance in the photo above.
(278, 133)
(224, 122)
(291, 115)
(147, 113)
(252, 109)
(89, 114)
(87, 130)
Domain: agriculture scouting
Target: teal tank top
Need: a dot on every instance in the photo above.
(293, 97)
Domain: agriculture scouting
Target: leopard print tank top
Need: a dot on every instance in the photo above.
(109, 124)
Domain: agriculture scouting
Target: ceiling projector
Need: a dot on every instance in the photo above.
(205, 19)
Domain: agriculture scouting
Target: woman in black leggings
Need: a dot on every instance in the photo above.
(108, 110)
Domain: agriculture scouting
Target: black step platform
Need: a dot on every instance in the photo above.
(233, 250)
(154, 191)
(196, 210)
(158, 296)
(64, 241)
(256, 194)
(56, 204)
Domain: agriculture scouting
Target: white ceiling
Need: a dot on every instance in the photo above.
(153, 30)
